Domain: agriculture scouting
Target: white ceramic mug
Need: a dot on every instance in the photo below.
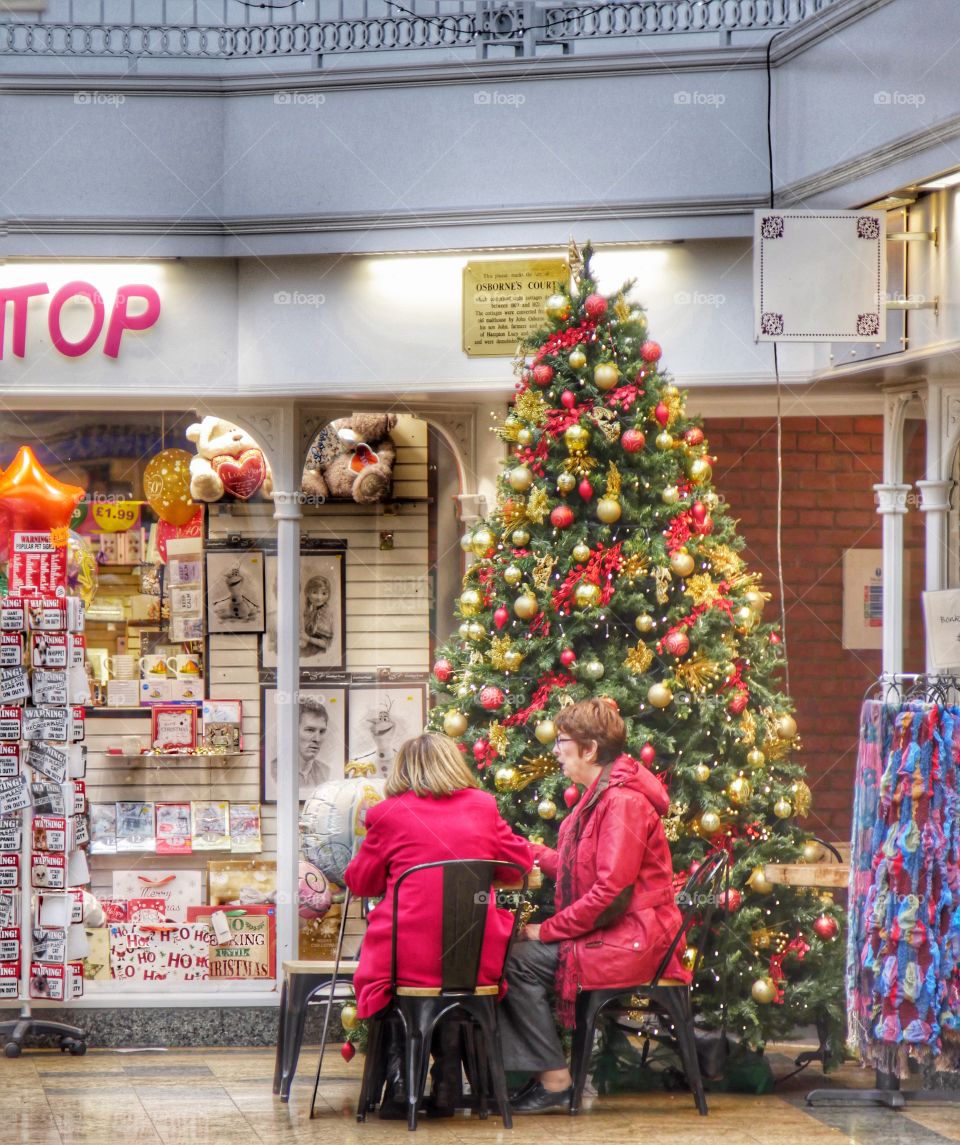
(187, 666)
(157, 667)
(120, 667)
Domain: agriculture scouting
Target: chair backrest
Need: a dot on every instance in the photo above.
(699, 895)
(467, 893)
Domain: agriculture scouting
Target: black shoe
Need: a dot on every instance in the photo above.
(538, 1099)
(392, 1109)
(522, 1090)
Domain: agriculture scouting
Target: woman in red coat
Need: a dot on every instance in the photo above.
(616, 912)
(433, 811)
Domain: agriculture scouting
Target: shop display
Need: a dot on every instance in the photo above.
(228, 462)
(321, 739)
(175, 828)
(352, 458)
(235, 592)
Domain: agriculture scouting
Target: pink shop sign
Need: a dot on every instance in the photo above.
(134, 307)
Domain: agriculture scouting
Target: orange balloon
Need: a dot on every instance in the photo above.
(34, 498)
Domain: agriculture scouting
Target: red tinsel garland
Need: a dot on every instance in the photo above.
(547, 682)
(598, 570)
(485, 580)
(679, 531)
(533, 456)
(625, 396)
(795, 946)
(560, 419)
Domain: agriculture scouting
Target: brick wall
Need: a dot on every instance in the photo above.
(830, 467)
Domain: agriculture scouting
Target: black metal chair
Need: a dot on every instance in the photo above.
(667, 996)
(467, 890)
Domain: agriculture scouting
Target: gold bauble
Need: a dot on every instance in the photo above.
(608, 510)
(755, 600)
(520, 479)
(471, 602)
(546, 731)
(592, 670)
(166, 486)
(740, 790)
(700, 470)
(520, 538)
(504, 778)
(785, 726)
(681, 563)
(586, 595)
(710, 499)
(577, 358)
(670, 495)
(644, 623)
(664, 440)
(576, 438)
(525, 436)
(512, 574)
(812, 851)
(755, 758)
(348, 1016)
(783, 808)
(466, 542)
(702, 772)
(475, 630)
(566, 483)
(512, 659)
(463, 692)
(454, 723)
(557, 307)
(580, 552)
(745, 618)
(710, 823)
(483, 540)
(511, 422)
(606, 376)
(758, 881)
(464, 631)
(689, 959)
(526, 606)
(763, 991)
(547, 809)
(659, 695)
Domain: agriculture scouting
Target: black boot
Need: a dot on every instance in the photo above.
(446, 1073)
(393, 1107)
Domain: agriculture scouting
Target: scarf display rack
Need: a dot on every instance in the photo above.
(903, 944)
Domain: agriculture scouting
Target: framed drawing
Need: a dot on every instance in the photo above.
(321, 611)
(382, 716)
(235, 591)
(321, 741)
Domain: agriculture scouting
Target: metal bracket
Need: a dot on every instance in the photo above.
(913, 237)
(915, 304)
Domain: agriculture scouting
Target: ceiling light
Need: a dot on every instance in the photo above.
(950, 180)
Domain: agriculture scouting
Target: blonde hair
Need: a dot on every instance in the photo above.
(429, 764)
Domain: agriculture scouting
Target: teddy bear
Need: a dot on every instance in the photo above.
(352, 457)
(228, 461)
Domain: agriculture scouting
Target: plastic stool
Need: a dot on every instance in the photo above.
(302, 981)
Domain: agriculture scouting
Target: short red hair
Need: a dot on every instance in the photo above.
(594, 721)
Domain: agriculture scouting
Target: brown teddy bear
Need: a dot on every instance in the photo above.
(352, 457)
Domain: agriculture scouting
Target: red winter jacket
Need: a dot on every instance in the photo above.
(622, 845)
(406, 830)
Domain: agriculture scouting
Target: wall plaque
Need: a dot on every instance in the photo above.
(503, 302)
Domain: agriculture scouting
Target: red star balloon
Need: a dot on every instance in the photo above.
(33, 498)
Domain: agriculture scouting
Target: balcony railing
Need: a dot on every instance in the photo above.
(191, 29)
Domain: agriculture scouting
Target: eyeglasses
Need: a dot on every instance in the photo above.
(564, 739)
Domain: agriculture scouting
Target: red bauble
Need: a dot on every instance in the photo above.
(585, 489)
(662, 414)
(568, 657)
(729, 900)
(826, 927)
(610, 702)
(698, 511)
(543, 374)
(647, 754)
(676, 643)
(595, 306)
(571, 795)
(347, 1051)
(694, 435)
(568, 399)
(706, 528)
(774, 637)
(491, 697)
(443, 670)
(562, 517)
(650, 351)
(738, 704)
(480, 750)
(500, 618)
(633, 441)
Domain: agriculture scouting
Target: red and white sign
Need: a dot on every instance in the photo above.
(9, 871)
(37, 567)
(143, 300)
(47, 981)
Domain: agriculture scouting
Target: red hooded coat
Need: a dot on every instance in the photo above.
(406, 830)
(622, 845)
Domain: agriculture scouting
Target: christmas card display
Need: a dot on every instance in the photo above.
(210, 822)
(249, 951)
(135, 827)
(245, 837)
(174, 828)
(173, 727)
(174, 832)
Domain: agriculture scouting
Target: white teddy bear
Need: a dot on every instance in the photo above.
(228, 461)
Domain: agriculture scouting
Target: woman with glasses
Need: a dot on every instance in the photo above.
(615, 910)
(433, 811)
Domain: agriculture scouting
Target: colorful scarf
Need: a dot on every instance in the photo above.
(903, 950)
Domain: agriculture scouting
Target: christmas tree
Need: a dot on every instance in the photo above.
(610, 567)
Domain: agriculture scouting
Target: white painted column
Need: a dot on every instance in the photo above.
(892, 505)
(286, 512)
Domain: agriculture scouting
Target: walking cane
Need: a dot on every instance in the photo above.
(332, 989)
